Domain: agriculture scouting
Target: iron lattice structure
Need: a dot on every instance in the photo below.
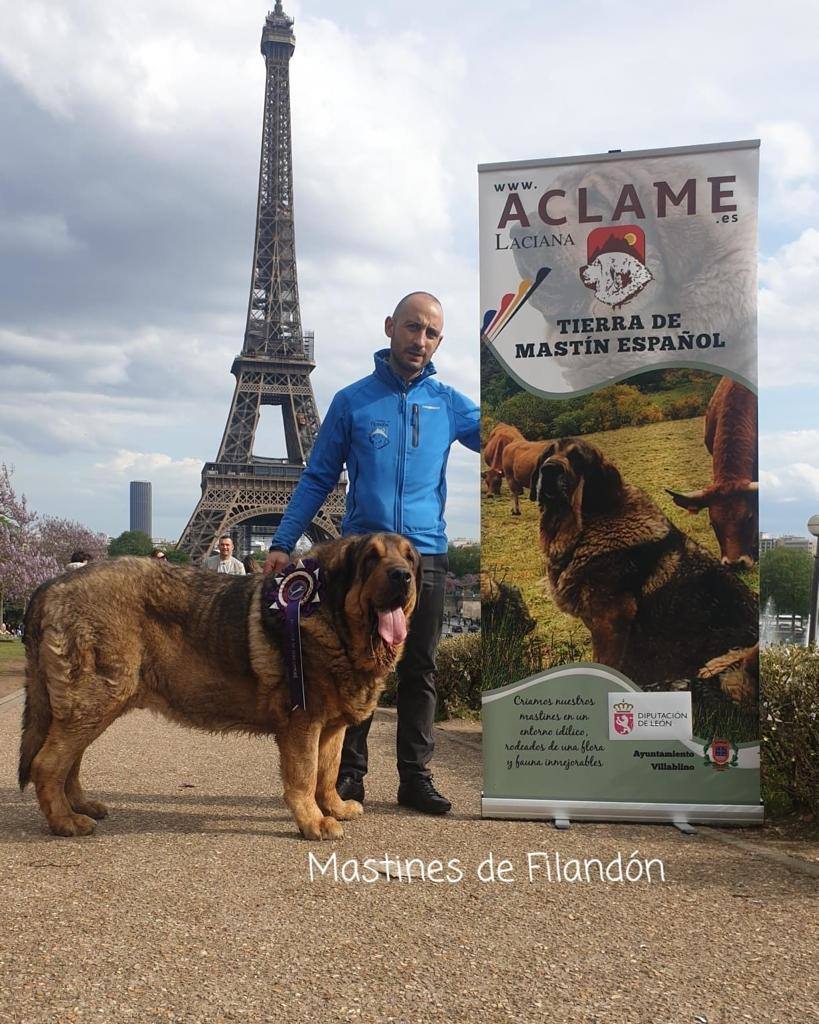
(242, 492)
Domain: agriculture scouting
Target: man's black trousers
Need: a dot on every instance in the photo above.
(417, 695)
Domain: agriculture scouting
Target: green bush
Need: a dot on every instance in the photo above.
(131, 542)
(458, 677)
(620, 405)
(687, 407)
(790, 730)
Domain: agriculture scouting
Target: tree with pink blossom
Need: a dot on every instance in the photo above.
(23, 565)
(61, 537)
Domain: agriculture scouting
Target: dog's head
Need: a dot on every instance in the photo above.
(573, 476)
(375, 579)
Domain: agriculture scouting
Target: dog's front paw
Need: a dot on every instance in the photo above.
(90, 808)
(349, 809)
(76, 825)
(323, 828)
(343, 810)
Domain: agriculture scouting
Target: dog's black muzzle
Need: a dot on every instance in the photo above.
(398, 586)
(553, 483)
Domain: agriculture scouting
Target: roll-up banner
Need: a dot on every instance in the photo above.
(619, 519)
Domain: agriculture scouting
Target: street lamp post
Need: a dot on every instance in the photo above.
(813, 526)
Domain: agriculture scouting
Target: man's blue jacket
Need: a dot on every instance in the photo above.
(395, 438)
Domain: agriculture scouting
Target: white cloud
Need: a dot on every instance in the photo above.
(790, 170)
(789, 445)
(175, 474)
(791, 467)
(46, 234)
(789, 152)
(795, 482)
(363, 108)
(789, 313)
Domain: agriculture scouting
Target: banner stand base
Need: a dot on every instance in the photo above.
(563, 824)
(563, 812)
(685, 828)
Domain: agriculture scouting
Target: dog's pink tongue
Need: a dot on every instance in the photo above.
(392, 627)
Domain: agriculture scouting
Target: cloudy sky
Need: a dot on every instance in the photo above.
(128, 174)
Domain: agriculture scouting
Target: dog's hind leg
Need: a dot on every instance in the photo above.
(299, 747)
(80, 803)
(329, 758)
(50, 771)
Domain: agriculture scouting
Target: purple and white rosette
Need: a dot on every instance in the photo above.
(295, 592)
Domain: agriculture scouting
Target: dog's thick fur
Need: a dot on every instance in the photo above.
(205, 650)
(658, 606)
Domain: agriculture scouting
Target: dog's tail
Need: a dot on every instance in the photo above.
(37, 712)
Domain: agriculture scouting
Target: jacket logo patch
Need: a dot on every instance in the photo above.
(379, 433)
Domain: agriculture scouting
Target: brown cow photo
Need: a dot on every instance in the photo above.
(501, 435)
(519, 461)
(732, 498)
(205, 650)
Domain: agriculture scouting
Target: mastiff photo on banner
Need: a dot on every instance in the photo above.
(619, 519)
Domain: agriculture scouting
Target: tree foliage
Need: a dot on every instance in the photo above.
(60, 538)
(464, 559)
(177, 557)
(23, 565)
(539, 419)
(131, 542)
(785, 575)
(496, 384)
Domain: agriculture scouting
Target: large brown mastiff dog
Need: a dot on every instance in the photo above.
(658, 606)
(205, 650)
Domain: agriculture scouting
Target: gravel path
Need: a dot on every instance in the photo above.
(194, 903)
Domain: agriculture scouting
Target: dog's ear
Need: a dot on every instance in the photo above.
(341, 568)
(419, 571)
(535, 478)
(603, 484)
(355, 558)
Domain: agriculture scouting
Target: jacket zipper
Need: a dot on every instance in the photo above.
(416, 425)
(399, 491)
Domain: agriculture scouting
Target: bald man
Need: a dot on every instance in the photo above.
(393, 430)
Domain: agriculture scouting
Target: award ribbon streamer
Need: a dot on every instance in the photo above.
(296, 592)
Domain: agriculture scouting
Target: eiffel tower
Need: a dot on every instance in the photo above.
(243, 493)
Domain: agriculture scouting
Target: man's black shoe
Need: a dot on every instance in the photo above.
(350, 788)
(419, 793)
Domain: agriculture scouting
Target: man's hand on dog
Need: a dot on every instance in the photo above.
(275, 562)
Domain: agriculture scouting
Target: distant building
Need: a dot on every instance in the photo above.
(141, 518)
(798, 543)
(767, 542)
